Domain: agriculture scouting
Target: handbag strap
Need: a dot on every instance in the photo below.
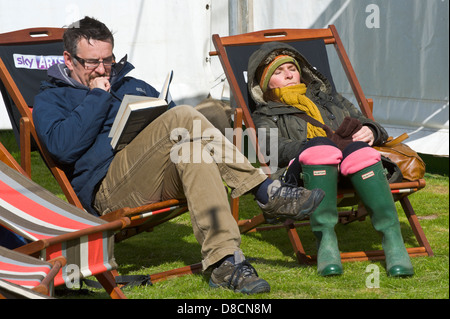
(313, 121)
(310, 119)
(391, 142)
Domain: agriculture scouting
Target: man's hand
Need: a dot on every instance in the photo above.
(100, 83)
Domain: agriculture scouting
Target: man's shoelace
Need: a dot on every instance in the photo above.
(243, 269)
(290, 191)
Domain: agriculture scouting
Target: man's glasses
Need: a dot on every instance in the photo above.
(93, 64)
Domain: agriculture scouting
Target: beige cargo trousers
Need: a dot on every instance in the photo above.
(182, 155)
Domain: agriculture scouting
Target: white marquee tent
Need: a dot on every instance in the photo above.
(399, 49)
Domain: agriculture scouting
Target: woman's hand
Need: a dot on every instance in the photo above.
(365, 134)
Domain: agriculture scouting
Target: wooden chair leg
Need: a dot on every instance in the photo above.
(107, 280)
(186, 270)
(415, 225)
(296, 243)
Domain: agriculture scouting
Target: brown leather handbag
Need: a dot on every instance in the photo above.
(409, 162)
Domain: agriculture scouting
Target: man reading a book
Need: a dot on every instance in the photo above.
(73, 115)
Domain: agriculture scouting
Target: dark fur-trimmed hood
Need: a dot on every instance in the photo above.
(266, 53)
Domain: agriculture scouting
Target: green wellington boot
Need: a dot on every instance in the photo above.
(325, 217)
(373, 189)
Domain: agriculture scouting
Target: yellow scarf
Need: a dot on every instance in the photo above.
(294, 95)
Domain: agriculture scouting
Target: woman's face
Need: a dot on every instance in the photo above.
(285, 75)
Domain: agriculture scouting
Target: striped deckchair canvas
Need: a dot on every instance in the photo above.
(28, 272)
(9, 290)
(39, 216)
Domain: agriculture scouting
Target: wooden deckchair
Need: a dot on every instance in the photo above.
(27, 272)
(55, 229)
(234, 52)
(19, 85)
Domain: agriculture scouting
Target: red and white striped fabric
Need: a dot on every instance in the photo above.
(21, 269)
(34, 213)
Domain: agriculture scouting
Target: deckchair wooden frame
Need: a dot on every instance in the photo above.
(119, 223)
(400, 191)
(55, 265)
(139, 216)
(9, 290)
(35, 248)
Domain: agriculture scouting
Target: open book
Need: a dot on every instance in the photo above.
(136, 112)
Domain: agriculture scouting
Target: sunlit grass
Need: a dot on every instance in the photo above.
(173, 245)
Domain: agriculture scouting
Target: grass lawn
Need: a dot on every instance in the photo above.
(173, 245)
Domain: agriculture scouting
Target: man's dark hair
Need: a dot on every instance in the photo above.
(87, 28)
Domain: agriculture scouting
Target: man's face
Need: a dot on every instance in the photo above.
(89, 52)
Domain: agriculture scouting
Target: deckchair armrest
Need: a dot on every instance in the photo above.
(130, 212)
(57, 264)
(419, 184)
(61, 260)
(39, 245)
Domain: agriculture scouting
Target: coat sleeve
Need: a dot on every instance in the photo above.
(270, 135)
(68, 131)
(379, 132)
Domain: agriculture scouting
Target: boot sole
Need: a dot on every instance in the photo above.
(261, 287)
(400, 271)
(331, 270)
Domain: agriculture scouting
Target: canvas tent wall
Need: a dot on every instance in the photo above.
(399, 49)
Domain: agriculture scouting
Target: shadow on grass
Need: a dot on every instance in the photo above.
(168, 243)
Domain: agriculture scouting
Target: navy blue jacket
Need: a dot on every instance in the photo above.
(73, 122)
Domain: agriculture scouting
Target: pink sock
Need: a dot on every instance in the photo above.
(321, 155)
(359, 159)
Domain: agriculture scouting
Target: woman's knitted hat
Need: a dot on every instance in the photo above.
(272, 66)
